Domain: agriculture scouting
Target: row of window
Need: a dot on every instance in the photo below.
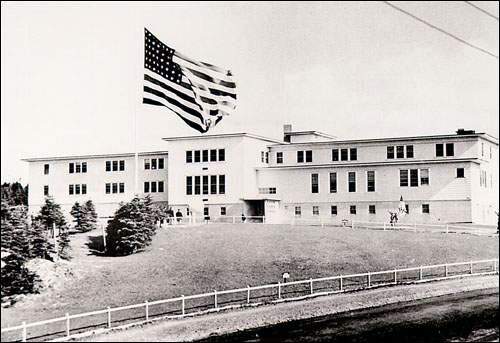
(264, 157)
(352, 210)
(267, 190)
(154, 186)
(483, 179)
(209, 155)
(77, 167)
(482, 151)
(206, 184)
(115, 165)
(441, 148)
(115, 188)
(398, 151)
(350, 154)
(351, 182)
(410, 177)
(77, 189)
(154, 163)
(206, 211)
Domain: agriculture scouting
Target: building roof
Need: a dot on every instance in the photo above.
(224, 135)
(78, 157)
(483, 135)
(316, 133)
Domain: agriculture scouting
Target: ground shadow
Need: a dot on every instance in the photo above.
(96, 245)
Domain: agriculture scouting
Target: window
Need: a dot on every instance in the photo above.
(71, 168)
(189, 185)
(84, 167)
(153, 187)
(122, 165)
(205, 184)
(205, 211)
(450, 149)
(146, 187)
(108, 188)
(222, 184)
(400, 151)
(300, 156)
(115, 165)
(309, 156)
(409, 151)
(390, 152)
(315, 210)
(279, 157)
(371, 209)
(267, 190)
(213, 184)
(425, 208)
(115, 188)
(213, 155)
(403, 178)
(333, 182)
(223, 211)
(314, 183)
(84, 189)
(108, 166)
(298, 211)
(161, 187)
(204, 155)
(46, 169)
(71, 190)
(267, 157)
(333, 210)
(153, 163)
(413, 177)
(78, 167)
(460, 173)
(77, 189)
(121, 187)
(335, 155)
(439, 150)
(222, 155)
(482, 149)
(352, 181)
(344, 154)
(197, 155)
(189, 157)
(352, 209)
(197, 180)
(424, 177)
(370, 181)
(354, 154)
(45, 190)
(262, 156)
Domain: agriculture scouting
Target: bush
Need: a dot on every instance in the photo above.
(85, 216)
(132, 227)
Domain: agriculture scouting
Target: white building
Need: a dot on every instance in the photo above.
(443, 178)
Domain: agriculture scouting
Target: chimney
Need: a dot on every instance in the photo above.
(465, 132)
(287, 128)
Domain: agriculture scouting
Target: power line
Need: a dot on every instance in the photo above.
(480, 9)
(441, 30)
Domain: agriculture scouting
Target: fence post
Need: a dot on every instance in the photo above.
(352, 224)
(109, 316)
(415, 227)
(369, 280)
(67, 324)
(24, 332)
(183, 305)
(384, 226)
(103, 236)
(471, 267)
(420, 273)
(215, 298)
(279, 290)
(395, 277)
(147, 309)
(445, 270)
(447, 229)
(311, 281)
(248, 294)
(341, 285)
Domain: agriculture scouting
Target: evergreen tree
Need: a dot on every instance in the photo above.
(132, 227)
(41, 245)
(77, 213)
(90, 215)
(51, 214)
(16, 278)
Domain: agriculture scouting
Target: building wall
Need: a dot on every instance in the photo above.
(95, 178)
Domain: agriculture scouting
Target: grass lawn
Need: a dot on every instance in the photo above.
(200, 259)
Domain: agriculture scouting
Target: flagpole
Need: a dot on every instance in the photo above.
(139, 38)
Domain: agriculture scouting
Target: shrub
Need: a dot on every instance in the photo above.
(132, 227)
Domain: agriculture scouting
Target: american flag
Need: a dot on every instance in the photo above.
(200, 93)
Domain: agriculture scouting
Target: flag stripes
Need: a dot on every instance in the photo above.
(201, 94)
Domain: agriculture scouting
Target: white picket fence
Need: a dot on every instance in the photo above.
(278, 291)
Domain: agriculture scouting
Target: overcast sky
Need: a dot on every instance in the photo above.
(72, 73)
